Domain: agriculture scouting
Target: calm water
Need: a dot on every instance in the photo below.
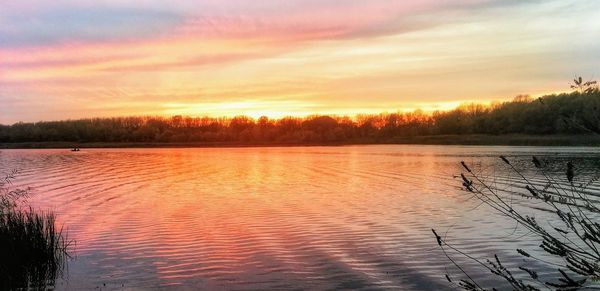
(356, 217)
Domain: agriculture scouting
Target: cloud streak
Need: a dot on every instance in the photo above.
(329, 55)
(81, 25)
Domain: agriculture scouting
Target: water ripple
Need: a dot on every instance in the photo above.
(266, 218)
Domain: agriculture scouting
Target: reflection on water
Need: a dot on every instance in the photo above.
(266, 218)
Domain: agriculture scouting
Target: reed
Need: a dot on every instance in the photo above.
(33, 252)
(569, 239)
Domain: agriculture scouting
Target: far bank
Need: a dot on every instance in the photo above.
(508, 140)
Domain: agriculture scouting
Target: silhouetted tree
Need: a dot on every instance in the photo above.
(573, 113)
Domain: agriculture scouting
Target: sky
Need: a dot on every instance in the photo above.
(97, 58)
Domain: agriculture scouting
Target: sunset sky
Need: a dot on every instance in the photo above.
(72, 59)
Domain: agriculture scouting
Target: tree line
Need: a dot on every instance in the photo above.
(567, 113)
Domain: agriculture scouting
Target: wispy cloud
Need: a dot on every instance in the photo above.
(334, 55)
(82, 24)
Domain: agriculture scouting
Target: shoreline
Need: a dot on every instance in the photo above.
(499, 140)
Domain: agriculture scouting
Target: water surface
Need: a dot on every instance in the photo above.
(352, 217)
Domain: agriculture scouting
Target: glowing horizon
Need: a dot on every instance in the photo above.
(75, 59)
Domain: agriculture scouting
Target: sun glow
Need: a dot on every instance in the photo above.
(254, 109)
(284, 108)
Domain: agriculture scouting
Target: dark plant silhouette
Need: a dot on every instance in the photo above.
(9, 197)
(572, 239)
(582, 86)
(33, 252)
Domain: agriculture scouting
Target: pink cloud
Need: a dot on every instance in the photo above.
(315, 20)
(280, 25)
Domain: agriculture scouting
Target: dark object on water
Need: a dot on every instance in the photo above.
(75, 149)
(536, 162)
(570, 172)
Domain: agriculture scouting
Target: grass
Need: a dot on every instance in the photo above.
(569, 239)
(33, 252)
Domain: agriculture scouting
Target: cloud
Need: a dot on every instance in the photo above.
(67, 58)
(81, 24)
(36, 23)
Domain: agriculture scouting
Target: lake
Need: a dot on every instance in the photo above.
(350, 217)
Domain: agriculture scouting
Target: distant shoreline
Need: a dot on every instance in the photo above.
(508, 140)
